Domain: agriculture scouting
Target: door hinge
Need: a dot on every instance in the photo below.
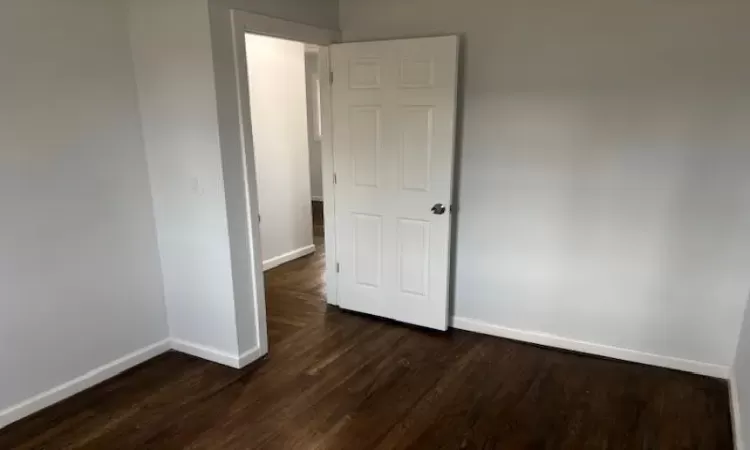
(338, 268)
(331, 74)
(335, 180)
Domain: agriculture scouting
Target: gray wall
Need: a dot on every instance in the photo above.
(604, 165)
(319, 13)
(80, 282)
(742, 379)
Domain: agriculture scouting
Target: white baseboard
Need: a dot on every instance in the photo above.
(550, 340)
(734, 406)
(81, 383)
(317, 198)
(205, 352)
(216, 355)
(250, 356)
(289, 256)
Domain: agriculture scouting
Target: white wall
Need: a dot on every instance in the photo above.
(604, 166)
(183, 54)
(278, 108)
(313, 110)
(741, 383)
(175, 80)
(80, 282)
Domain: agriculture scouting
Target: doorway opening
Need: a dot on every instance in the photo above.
(285, 113)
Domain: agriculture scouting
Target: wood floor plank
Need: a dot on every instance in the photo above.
(338, 380)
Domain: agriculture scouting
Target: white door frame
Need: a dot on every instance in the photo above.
(242, 23)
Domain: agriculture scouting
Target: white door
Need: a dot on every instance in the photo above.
(394, 109)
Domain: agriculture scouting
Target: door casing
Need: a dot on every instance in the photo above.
(242, 23)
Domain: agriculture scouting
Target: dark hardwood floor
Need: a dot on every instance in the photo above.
(317, 218)
(335, 380)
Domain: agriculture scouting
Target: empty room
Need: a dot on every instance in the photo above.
(393, 224)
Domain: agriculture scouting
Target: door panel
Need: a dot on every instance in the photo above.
(416, 146)
(413, 256)
(365, 144)
(364, 73)
(394, 130)
(368, 249)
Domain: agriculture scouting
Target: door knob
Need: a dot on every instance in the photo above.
(438, 209)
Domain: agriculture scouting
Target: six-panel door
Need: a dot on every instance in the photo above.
(394, 108)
